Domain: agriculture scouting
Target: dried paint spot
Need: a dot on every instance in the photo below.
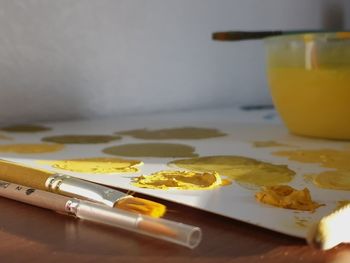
(28, 148)
(338, 179)
(287, 197)
(242, 169)
(335, 180)
(325, 157)
(81, 139)
(183, 180)
(96, 165)
(25, 128)
(164, 150)
(302, 222)
(174, 133)
(263, 144)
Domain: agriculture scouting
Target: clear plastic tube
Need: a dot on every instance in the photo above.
(182, 234)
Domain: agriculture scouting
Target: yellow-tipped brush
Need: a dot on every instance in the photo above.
(331, 230)
(74, 187)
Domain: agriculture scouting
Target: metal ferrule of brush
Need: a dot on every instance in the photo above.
(75, 187)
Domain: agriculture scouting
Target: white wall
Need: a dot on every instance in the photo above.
(84, 58)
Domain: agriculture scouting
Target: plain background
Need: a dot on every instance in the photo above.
(69, 59)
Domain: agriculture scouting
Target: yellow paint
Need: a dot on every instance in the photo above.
(338, 179)
(174, 133)
(242, 169)
(287, 197)
(29, 148)
(98, 165)
(141, 206)
(302, 222)
(184, 180)
(25, 128)
(261, 144)
(325, 157)
(80, 139)
(313, 102)
(163, 150)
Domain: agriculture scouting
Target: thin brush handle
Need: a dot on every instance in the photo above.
(174, 232)
(248, 35)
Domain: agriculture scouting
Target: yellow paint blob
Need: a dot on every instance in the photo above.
(141, 206)
(25, 128)
(174, 133)
(338, 179)
(163, 150)
(29, 148)
(242, 169)
(183, 180)
(325, 157)
(262, 144)
(81, 139)
(96, 165)
(314, 102)
(287, 197)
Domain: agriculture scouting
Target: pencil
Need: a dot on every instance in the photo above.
(182, 234)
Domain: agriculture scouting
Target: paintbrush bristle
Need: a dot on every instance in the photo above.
(141, 206)
(331, 230)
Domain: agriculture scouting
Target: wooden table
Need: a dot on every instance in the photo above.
(31, 234)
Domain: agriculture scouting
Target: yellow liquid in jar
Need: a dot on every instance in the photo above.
(313, 102)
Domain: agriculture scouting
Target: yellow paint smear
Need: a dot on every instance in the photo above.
(263, 144)
(335, 180)
(325, 157)
(81, 139)
(242, 169)
(184, 180)
(163, 150)
(31, 148)
(96, 165)
(174, 133)
(338, 179)
(287, 197)
(25, 128)
(342, 203)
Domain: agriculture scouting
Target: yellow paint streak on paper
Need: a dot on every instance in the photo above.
(287, 197)
(174, 133)
(81, 139)
(28, 148)
(184, 180)
(242, 169)
(25, 128)
(263, 144)
(163, 150)
(338, 179)
(96, 165)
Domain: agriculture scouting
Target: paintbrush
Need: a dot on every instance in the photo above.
(74, 187)
(174, 232)
(248, 35)
(331, 230)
